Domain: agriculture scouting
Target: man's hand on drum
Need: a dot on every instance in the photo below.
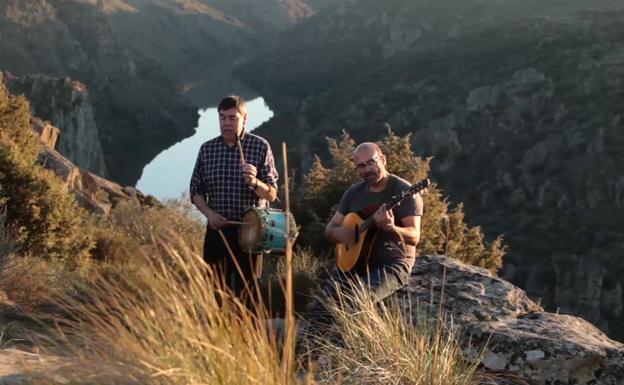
(216, 221)
(249, 173)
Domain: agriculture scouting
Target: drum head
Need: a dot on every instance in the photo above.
(249, 234)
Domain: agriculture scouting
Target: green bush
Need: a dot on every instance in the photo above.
(443, 230)
(43, 218)
(130, 229)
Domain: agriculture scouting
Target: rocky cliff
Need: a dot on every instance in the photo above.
(514, 339)
(66, 104)
(519, 103)
(92, 192)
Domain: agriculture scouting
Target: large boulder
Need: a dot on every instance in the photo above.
(517, 334)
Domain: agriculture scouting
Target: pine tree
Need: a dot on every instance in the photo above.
(443, 230)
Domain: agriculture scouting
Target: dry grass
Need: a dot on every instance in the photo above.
(307, 269)
(171, 322)
(175, 324)
(385, 344)
(165, 319)
(304, 261)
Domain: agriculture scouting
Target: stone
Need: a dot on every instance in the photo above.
(534, 355)
(48, 134)
(92, 192)
(495, 361)
(516, 334)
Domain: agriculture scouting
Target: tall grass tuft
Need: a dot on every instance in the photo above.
(381, 343)
(27, 281)
(172, 323)
(307, 270)
(169, 320)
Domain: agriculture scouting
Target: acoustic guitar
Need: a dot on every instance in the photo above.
(349, 255)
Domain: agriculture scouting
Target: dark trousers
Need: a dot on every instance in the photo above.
(217, 256)
(378, 281)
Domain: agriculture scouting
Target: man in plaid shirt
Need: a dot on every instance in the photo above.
(222, 188)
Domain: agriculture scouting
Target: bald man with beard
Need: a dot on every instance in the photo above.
(393, 251)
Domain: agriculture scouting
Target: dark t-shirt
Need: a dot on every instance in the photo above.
(359, 199)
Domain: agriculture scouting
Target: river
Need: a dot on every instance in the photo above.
(169, 173)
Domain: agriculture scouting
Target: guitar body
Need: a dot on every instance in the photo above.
(348, 256)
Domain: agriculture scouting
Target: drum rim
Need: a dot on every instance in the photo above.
(256, 210)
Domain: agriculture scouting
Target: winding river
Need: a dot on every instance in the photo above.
(168, 174)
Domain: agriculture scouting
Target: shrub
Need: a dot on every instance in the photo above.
(41, 214)
(443, 230)
(130, 229)
(28, 282)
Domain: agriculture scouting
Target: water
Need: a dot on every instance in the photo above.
(169, 173)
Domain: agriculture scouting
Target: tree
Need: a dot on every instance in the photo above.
(443, 230)
(40, 213)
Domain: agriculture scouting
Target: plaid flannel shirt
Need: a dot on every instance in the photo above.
(217, 175)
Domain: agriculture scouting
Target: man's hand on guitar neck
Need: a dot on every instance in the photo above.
(384, 219)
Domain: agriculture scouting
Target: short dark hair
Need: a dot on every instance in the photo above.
(232, 101)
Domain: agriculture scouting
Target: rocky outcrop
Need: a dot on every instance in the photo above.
(518, 336)
(66, 104)
(48, 134)
(94, 193)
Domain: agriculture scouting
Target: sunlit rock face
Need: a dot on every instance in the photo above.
(519, 337)
(92, 192)
(66, 104)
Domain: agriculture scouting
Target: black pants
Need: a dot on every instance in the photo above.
(217, 256)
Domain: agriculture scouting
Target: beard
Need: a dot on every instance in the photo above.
(372, 177)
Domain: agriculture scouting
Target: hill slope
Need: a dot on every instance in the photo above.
(145, 63)
(518, 102)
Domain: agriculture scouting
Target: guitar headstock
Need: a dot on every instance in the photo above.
(413, 189)
(419, 186)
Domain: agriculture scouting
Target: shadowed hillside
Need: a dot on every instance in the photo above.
(147, 64)
(518, 102)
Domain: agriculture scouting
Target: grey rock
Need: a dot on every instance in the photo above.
(517, 334)
(66, 103)
(92, 192)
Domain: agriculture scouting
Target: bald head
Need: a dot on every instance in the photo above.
(367, 149)
(370, 163)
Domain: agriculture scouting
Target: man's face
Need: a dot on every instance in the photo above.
(370, 165)
(231, 122)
